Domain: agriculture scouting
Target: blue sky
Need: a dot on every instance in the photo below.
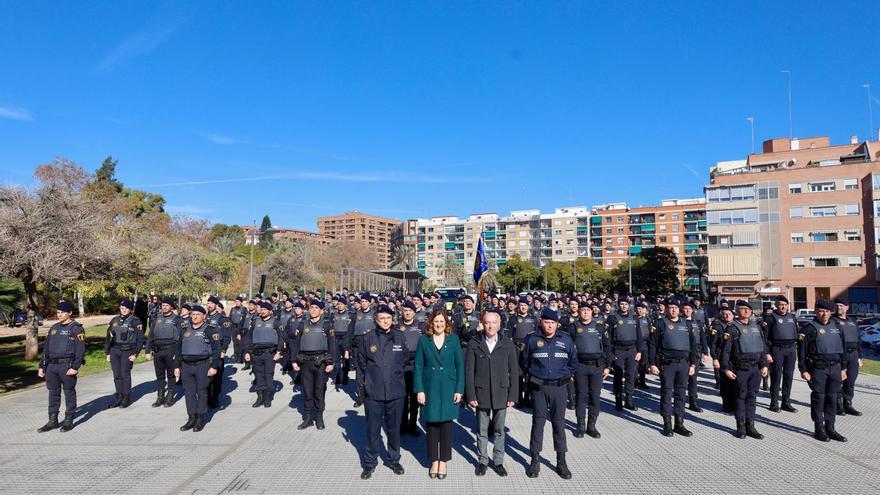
(299, 109)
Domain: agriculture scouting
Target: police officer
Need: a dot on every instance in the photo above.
(852, 345)
(217, 318)
(782, 335)
(382, 356)
(521, 325)
(672, 354)
(727, 391)
(550, 359)
(198, 358)
(262, 346)
(125, 337)
(744, 360)
(593, 355)
(822, 361)
(645, 324)
(343, 326)
(161, 346)
(363, 322)
(626, 340)
(687, 313)
(252, 314)
(421, 311)
(237, 315)
(310, 351)
(63, 353)
(466, 323)
(412, 330)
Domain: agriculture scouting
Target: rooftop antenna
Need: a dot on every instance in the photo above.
(867, 86)
(790, 126)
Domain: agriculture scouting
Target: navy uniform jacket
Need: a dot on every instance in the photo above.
(808, 352)
(382, 356)
(72, 344)
(655, 343)
(730, 352)
(134, 323)
(294, 337)
(224, 324)
(212, 332)
(549, 359)
(247, 341)
(616, 320)
(465, 325)
(237, 317)
(853, 328)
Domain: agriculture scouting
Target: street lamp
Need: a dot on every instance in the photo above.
(251, 269)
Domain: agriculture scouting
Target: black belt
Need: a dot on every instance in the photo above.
(746, 365)
(264, 350)
(852, 349)
(823, 364)
(673, 360)
(590, 362)
(785, 345)
(164, 347)
(314, 358)
(122, 347)
(624, 347)
(197, 361)
(549, 383)
(59, 360)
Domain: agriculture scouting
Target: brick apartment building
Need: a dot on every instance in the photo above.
(372, 230)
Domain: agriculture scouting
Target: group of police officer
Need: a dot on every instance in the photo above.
(567, 347)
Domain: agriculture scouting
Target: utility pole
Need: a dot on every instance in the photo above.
(870, 112)
(251, 270)
(630, 267)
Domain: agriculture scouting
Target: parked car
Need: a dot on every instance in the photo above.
(870, 336)
(805, 315)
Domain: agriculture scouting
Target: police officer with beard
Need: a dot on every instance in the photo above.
(198, 358)
(63, 353)
(310, 351)
(744, 360)
(247, 321)
(673, 351)
(520, 326)
(125, 337)
(262, 347)
(412, 330)
(161, 346)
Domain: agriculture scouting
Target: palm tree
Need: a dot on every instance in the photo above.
(402, 258)
(698, 267)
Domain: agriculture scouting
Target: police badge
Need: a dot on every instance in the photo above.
(373, 348)
(540, 344)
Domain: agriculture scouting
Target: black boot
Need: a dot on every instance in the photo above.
(169, 398)
(571, 403)
(189, 423)
(679, 427)
(561, 467)
(667, 426)
(765, 383)
(51, 425)
(832, 433)
(267, 399)
(200, 422)
(319, 421)
(740, 429)
(693, 406)
(534, 467)
(116, 402)
(629, 404)
(820, 433)
(68, 422)
(307, 422)
(751, 431)
(259, 401)
(841, 410)
(591, 429)
(581, 428)
(786, 405)
(126, 401)
(774, 404)
(848, 407)
(641, 384)
(160, 399)
(247, 366)
(618, 402)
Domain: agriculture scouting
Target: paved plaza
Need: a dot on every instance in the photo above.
(245, 450)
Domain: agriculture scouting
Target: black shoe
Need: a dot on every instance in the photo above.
(214, 404)
(319, 422)
(740, 429)
(200, 422)
(116, 402)
(481, 470)
(499, 470)
(534, 468)
(259, 401)
(160, 400)
(591, 429)
(267, 399)
(679, 427)
(307, 422)
(642, 385)
(169, 398)
(562, 468)
(841, 410)
(832, 433)
(848, 407)
(667, 426)
(765, 385)
(414, 430)
(570, 406)
(247, 366)
(189, 423)
(396, 468)
(695, 407)
(618, 403)
(787, 407)
(819, 433)
(751, 431)
(358, 402)
(67, 425)
(367, 473)
(581, 428)
(774, 405)
(126, 401)
(51, 425)
(629, 404)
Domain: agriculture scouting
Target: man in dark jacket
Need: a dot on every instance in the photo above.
(491, 377)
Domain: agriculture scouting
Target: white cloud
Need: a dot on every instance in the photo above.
(139, 43)
(15, 113)
(225, 140)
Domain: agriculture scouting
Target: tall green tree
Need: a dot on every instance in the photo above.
(266, 233)
(518, 274)
(654, 271)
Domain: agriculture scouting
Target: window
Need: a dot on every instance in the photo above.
(619, 219)
(825, 261)
(822, 186)
(662, 228)
(608, 230)
(794, 188)
(728, 217)
(797, 262)
(823, 236)
(675, 238)
(607, 262)
(620, 251)
(675, 216)
(797, 237)
(662, 238)
(853, 235)
(662, 216)
(796, 212)
(823, 211)
(675, 227)
(768, 192)
(852, 209)
(620, 240)
(732, 193)
(854, 261)
(850, 184)
(675, 249)
(619, 230)
(557, 232)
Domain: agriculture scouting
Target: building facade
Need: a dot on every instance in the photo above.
(252, 234)
(797, 219)
(372, 230)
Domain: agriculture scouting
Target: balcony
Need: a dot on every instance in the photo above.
(596, 220)
(648, 227)
(634, 250)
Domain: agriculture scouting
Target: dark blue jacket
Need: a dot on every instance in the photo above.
(549, 359)
(382, 357)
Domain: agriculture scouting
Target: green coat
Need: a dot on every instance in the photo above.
(439, 374)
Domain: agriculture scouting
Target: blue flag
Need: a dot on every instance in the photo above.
(481, 265)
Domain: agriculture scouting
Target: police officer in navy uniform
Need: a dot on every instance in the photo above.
(125, 337)
(218, 319)
(63, 353)
(382, 355)
(782, 335)
(262, 346)
(550, 359)
(593, 355)
(198, 358)
(363, 323)
(237, 315)
(697, 328)
(673, 351)
(626, 340)
(252, 314)
(853, 347)
(412, 330)
(822, 361)
(312, 351)
(645, 324)
(161, 346)
(726, 388)
(466, 323)
(521, 325)
(343, 326)
(744, 360)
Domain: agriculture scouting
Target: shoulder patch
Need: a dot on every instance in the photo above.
(801, 336)
(138, 326)
(714, 332)
(227, 324)
(330, 332)
(215, 336)
(726, 336)
(81, 336)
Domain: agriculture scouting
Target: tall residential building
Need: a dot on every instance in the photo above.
(405, 234)
(797, 219)
(356, 226)
(252, 234)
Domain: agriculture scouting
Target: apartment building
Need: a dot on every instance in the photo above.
(372, 230)
(797, 219)
(252, 234)
(405, 234)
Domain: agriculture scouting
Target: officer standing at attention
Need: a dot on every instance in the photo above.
(645, 325)
(521, 325)
(63, 353)
(412, 331)
(822, 362)
(125, 337)
(727, 391)
(343, 326)
(672, 354)
(466, 323)
(262, 347)
(853, 347)
(550, 359)
(217, 318)
(593, 355)
(744, 360)
(237, 314)
(382, 356)
(161, 346)
(252, 314)
(782, 334)
(626, 339)
(687, 313)
(198, 357)
(310, 352)
(363, 323)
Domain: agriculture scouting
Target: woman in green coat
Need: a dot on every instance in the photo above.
(438, 381)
